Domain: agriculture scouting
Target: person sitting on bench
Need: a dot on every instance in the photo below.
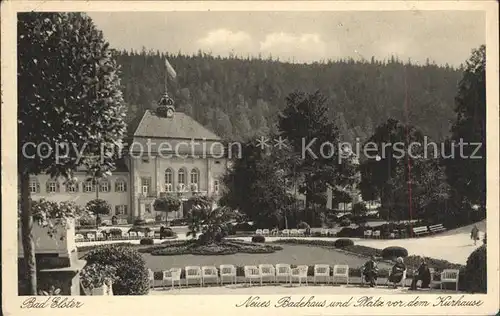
(370, 271)
(397, 272)
(423, 274)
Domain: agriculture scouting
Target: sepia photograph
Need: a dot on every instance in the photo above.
(301, 153)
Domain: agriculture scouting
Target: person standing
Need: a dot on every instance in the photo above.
(474, 234)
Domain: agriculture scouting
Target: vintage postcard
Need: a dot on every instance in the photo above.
(271, 158)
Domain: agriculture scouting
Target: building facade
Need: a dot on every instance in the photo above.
(168, 153)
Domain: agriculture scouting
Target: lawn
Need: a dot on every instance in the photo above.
(291, 254)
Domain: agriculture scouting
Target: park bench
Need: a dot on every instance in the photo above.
(436, 228)
(420, 230)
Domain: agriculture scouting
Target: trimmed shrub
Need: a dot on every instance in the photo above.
(141, 229)
(131, 271)
(345, 222)
(258, 238)
(351, 232)
(139, 222)
(166, 232)
(115, 232)
(394, 252)
(343, 242)
(147, 241)
(475, 271)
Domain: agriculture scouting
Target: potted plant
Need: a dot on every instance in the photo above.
(98, 278)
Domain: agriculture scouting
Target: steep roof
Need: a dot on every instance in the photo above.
(180, 125)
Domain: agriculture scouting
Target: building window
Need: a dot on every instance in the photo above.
(52, 186)
(182, 177)
(195, 176)
(88, 186)
(120, 186)
(145, 185)
(121, 210)
(216, 186)
(169, 180)
(72, 186)
(34, 185)
(104, 186)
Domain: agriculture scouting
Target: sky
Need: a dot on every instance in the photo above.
(440, 36)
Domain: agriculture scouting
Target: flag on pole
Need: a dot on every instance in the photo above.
(170, 70)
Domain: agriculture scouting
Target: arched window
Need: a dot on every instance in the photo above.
(88, 186)
(169, 180)
(181, 178)
(104, 186)
(72, 186)
(195, 176)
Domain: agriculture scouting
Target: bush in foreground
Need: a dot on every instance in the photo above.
(258, 238)
(475, 271)
(147, 241)
(394, 252)
(343, 242)
(132, 276)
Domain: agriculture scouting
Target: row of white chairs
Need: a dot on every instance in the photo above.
(291, 232)
(254, 273)
(124, 236)
(370, 233)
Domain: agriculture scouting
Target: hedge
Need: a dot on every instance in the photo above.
(476, 271)
(131, 270)
(258, 238)
(394, 252)
(147, 241)
(343, 242)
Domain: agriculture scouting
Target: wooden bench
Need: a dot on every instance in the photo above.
(420, 230)
(436, 228)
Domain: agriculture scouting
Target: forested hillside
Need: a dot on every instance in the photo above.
(239, 98)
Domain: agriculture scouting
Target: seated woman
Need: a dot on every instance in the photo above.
(423, 274)
(370, 271)
(397, 272)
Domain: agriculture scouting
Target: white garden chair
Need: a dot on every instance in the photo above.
(301, 232)
(265, 232)
(91, 237)
(324, 232)
(171, 276)
(140, 234)
(133, 235)
(299, 273)
(193, 273)
(209, 273)
(283, 270)
(228, 271)
(252, 273)
(267, 271)
(258, 232)
(322, 271)
(340, 271)
(285, 232)
(376, 234)
(151, 234)
(368, 233)
(450, 276)
(331, 232)
(79, 238)
(151, 278)
(125, 235)
(294, 232)
(99, 236)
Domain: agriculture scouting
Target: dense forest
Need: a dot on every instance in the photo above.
(238, 98)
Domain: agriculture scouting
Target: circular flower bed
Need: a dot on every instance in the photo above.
(221, 248)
